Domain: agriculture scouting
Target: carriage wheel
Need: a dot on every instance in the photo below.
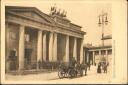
(69, 74)
(72, 73)
(81, 72)
(66, 75)
(61, 74)
(75, 73)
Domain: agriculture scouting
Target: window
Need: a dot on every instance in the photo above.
(109, 52)
(27, 37)
(13, 53)
(103, 52)
(96, 52)
(13, 35)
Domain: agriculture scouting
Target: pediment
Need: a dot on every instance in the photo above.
(32, 13)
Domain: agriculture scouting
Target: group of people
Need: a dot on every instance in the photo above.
(73, 63)
(102, 66)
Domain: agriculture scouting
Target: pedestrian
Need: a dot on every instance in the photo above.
(39, 64)
(88, 65)
(105, 68)
(107, 63)
(85, 68)
(72, 63)
(95, 64)
(99, 68)
(8, 65)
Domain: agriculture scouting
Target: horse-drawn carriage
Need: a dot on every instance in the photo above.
(68, 71)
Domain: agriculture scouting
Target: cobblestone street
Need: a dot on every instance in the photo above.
(52, 77)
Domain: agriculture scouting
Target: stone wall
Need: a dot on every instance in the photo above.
(12, 43)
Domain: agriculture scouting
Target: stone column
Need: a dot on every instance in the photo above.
(107, 56)
(39, 46)
(44, 47)
(67, 49)
(75, 48)
(99, 52)
(51, 46)
(21, 47)
(93, 57)
(39, 49)
(88, 57)
(55, 48)
(81, 52)
(100, 55)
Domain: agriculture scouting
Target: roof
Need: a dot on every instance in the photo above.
(107, 37)
(34, 9)
(98, 47)
(47, 17)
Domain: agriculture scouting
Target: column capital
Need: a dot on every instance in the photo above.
(51, 31)
(55, 33)
(22, 25)
(93, 52)
(40, 31)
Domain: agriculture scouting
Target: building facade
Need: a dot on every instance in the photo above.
(96, 54)
(33, 38)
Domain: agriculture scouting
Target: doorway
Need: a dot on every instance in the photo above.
(27, 59)
(12, 61)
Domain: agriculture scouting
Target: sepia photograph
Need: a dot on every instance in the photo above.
(63, 42)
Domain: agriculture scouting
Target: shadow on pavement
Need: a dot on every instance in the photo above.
(54, 79)
(66, 78)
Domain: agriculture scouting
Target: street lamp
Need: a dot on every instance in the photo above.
(103, 20)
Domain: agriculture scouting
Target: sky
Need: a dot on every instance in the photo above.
(82, 13)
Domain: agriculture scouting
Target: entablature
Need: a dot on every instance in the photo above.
(37, 25)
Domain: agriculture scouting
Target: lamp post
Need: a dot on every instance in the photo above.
(103, 20)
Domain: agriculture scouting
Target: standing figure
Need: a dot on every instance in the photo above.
(99, 68)
(88, 65)
(105, 68)
(8, 65)
(72, 63)
(39, 64)
(85, 67)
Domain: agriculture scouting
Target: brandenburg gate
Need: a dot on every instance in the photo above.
(33, 36)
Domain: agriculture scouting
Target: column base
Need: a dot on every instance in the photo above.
(20, 72)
